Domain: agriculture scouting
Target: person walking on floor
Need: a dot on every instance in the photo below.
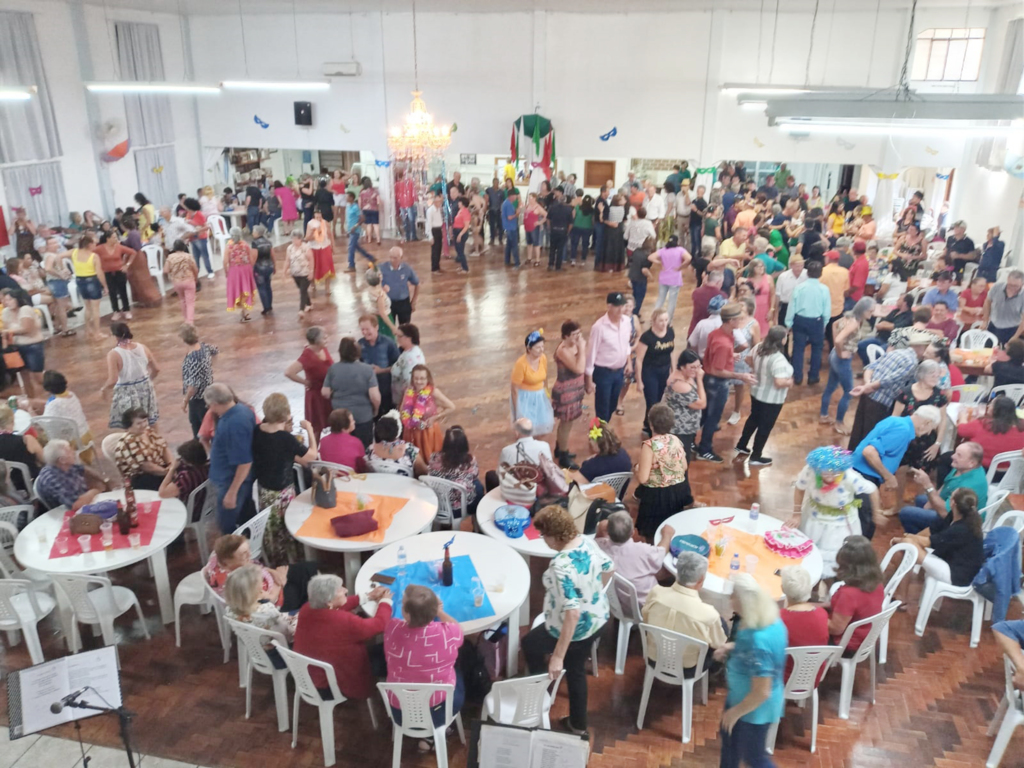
(608, 356)
(719, 370)
(774, 378)
(435, 228)
(806, 315)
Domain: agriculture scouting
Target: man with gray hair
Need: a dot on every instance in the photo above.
(1003, 313)
(843, 245)
(959, 248)
(231, 456)
(679, 608)
(526, 448)
(174, 228)
(637, 561)
(932, 507)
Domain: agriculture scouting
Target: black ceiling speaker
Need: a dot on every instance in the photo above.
(303, 113)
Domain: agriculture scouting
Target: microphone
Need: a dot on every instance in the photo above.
(58, 706)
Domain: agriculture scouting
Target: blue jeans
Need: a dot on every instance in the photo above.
(607, 385)
(639, 292)
(409, 222)
(864, 344)
(269, 219)
(228, 517)
(575, 236)
(696, 226)
(511, 245)
(840, 373)
(717, 392)
(745, 745)
(353, 246)
(460, 249)
(201, 249)
(807, 330)
(916, 518)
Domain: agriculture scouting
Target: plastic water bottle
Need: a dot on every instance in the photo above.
(755, 513)
(734, 564)
(403, 560)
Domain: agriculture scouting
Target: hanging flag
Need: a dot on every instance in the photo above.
(553, 157)
(514, 145)
(545, 161)
(117, 153)
(536, 137)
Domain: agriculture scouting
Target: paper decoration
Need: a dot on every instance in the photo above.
(344, 129)
(383, 163)
(942, 176)
(706, 171)
(844, 144)
(758, 143)
(454, 128)
(605, 136)
(260, 123)
(891, 176)
(1014, 165)
(34, 191)
(931, 151)
(117, 153)
(158, 169)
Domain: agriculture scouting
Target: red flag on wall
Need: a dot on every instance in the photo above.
(4, 239)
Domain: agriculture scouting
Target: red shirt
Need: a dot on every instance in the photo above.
(967, 299)
(719, 354)
(405, 193)
(852, 602)
(805, 628)
(461, 219)
(948, 327)
(701, 296)
(980, 432)
(198, 220)
(338, 636)
(858, 277)
(345, 449)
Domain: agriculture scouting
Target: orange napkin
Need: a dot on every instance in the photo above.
(767, 561)
(318, 524)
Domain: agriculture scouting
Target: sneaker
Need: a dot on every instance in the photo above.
(211, 276)
(742, 451)
(127, 315)
(714, 458)
(734, 418)
(761, 461)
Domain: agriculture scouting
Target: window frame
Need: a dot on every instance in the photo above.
(949, 39)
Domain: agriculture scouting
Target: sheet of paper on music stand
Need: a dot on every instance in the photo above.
(41, 686)
(503, 747)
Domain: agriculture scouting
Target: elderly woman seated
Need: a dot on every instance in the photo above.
(142, 455)
(330, 630)
(189, 470)
(250, 604)
(21, 448)
(637, 561)
(806, 623)
(391, 454)
(285, 587)
(423, 648)
(63, 481)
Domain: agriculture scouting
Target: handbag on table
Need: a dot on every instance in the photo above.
(325, 495)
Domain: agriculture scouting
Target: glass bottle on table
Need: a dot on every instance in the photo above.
(130, 505)
(447, 576)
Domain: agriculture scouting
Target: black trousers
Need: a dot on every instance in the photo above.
(147, 482)
(196, 413)
(402, 309)
(783, 309)
(435, 249)
(494, 221)
(559, 239)
(760, 421)
(303, 285)
(364, 432)
(117, 285)
(538, 644)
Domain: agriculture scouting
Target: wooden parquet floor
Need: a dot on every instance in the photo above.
(935, 695)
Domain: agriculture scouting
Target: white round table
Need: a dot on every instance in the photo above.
(22, 421)
(33, 552)
(489, 504)
(716, 590)
(496, 564)
(415, 517)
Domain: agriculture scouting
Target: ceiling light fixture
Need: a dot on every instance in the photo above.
(134, 86)
(896, 129)
(754, 106)
(267, 85)
(15, 93)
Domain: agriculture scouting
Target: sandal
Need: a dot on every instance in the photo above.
(620, 412)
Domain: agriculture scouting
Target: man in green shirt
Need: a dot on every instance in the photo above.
(761, 253)
(675, 178)
(933, 505)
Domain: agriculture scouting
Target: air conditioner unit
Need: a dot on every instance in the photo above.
(342, 69)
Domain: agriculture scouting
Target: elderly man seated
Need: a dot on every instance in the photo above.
(679, 608)
(64, 481)
(526, 448)
(933, 505)
(636, 561)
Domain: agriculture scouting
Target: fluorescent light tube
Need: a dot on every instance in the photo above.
(267, 85)
(128, 86)
(902, 129)
(15, 93)
(754, 106)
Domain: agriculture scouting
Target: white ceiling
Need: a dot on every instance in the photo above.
(199, 7)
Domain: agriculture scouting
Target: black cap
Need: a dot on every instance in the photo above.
(616, 299)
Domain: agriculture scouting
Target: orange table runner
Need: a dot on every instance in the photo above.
(318, 524)
(767, 561)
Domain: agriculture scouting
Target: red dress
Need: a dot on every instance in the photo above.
(318, 407)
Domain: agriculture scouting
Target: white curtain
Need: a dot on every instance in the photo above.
(28, 130)
(140, 58)
(39, 189)
(157, 174)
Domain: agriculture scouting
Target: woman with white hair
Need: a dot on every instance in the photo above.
(923, 450)
(247, 603)
(239, 258)
(64, 481)
(806, 622)
(754, 665)
(845, 338)
(330, 630)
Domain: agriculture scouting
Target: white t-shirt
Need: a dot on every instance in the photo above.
(532, 447)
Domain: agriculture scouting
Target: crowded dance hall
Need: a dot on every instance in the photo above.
(618, 386)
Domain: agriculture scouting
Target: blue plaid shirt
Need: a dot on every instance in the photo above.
(893, 371)
(57, 487)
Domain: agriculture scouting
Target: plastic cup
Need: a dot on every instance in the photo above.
(41, 535)
(478, 596)
(135, 540)
(751, 563)
(85, 542)
(498, 585)
(63, 544)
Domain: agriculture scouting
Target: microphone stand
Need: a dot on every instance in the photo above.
(124, 718)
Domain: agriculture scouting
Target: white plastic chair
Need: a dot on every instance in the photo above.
(909, 552)
(96, 606)
(198, 521)
(931, 599)
(969, 393)
(417, 723)
(445, 511)
(26, 477)
(218, 231)
(109, 445)
(76, 300)
(314, 465)
(671, 647)
(253, 530)
(1011, 463)
(969, 269)
(808, 662)
(1009, 717)
(59, 428)
(617, 480)
(190, 591)
(11, 515)
(9, 568)
(254, 639)
(866, 650)
(306, 690)
(42, 309)
(155, 261)
(874, 352)
(978, 339)
(22, 607)
(1013, 391)
(1014, 518)
(989, 512)
(523, 701)
(625, 607)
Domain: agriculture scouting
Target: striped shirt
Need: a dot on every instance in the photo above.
(768, 369)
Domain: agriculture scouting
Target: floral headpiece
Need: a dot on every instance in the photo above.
(595, 429)
(534, 337)
(829, 458)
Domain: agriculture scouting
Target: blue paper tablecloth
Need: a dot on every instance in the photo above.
(457, 599)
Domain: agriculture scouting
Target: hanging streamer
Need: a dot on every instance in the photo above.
(35, 191)
(605, 136)
(260, 123)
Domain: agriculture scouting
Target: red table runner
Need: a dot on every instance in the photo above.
(148, 511)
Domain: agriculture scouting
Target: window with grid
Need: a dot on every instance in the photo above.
(949, 55)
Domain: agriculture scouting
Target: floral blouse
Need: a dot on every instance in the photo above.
(298, 260)
(417, 407)
(911, 403)
(133, 450)
(573, 582)
(687, 419)
(238, 255)
(267, 616)
(403, 465)
(464, 476)
(669, 467)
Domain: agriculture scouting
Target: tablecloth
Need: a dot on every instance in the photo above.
(318, 524)
(148, 511)
(767, 561)
(457, 599)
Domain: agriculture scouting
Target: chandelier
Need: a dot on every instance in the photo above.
(419, 139)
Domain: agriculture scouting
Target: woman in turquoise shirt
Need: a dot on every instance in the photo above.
(753, 672)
